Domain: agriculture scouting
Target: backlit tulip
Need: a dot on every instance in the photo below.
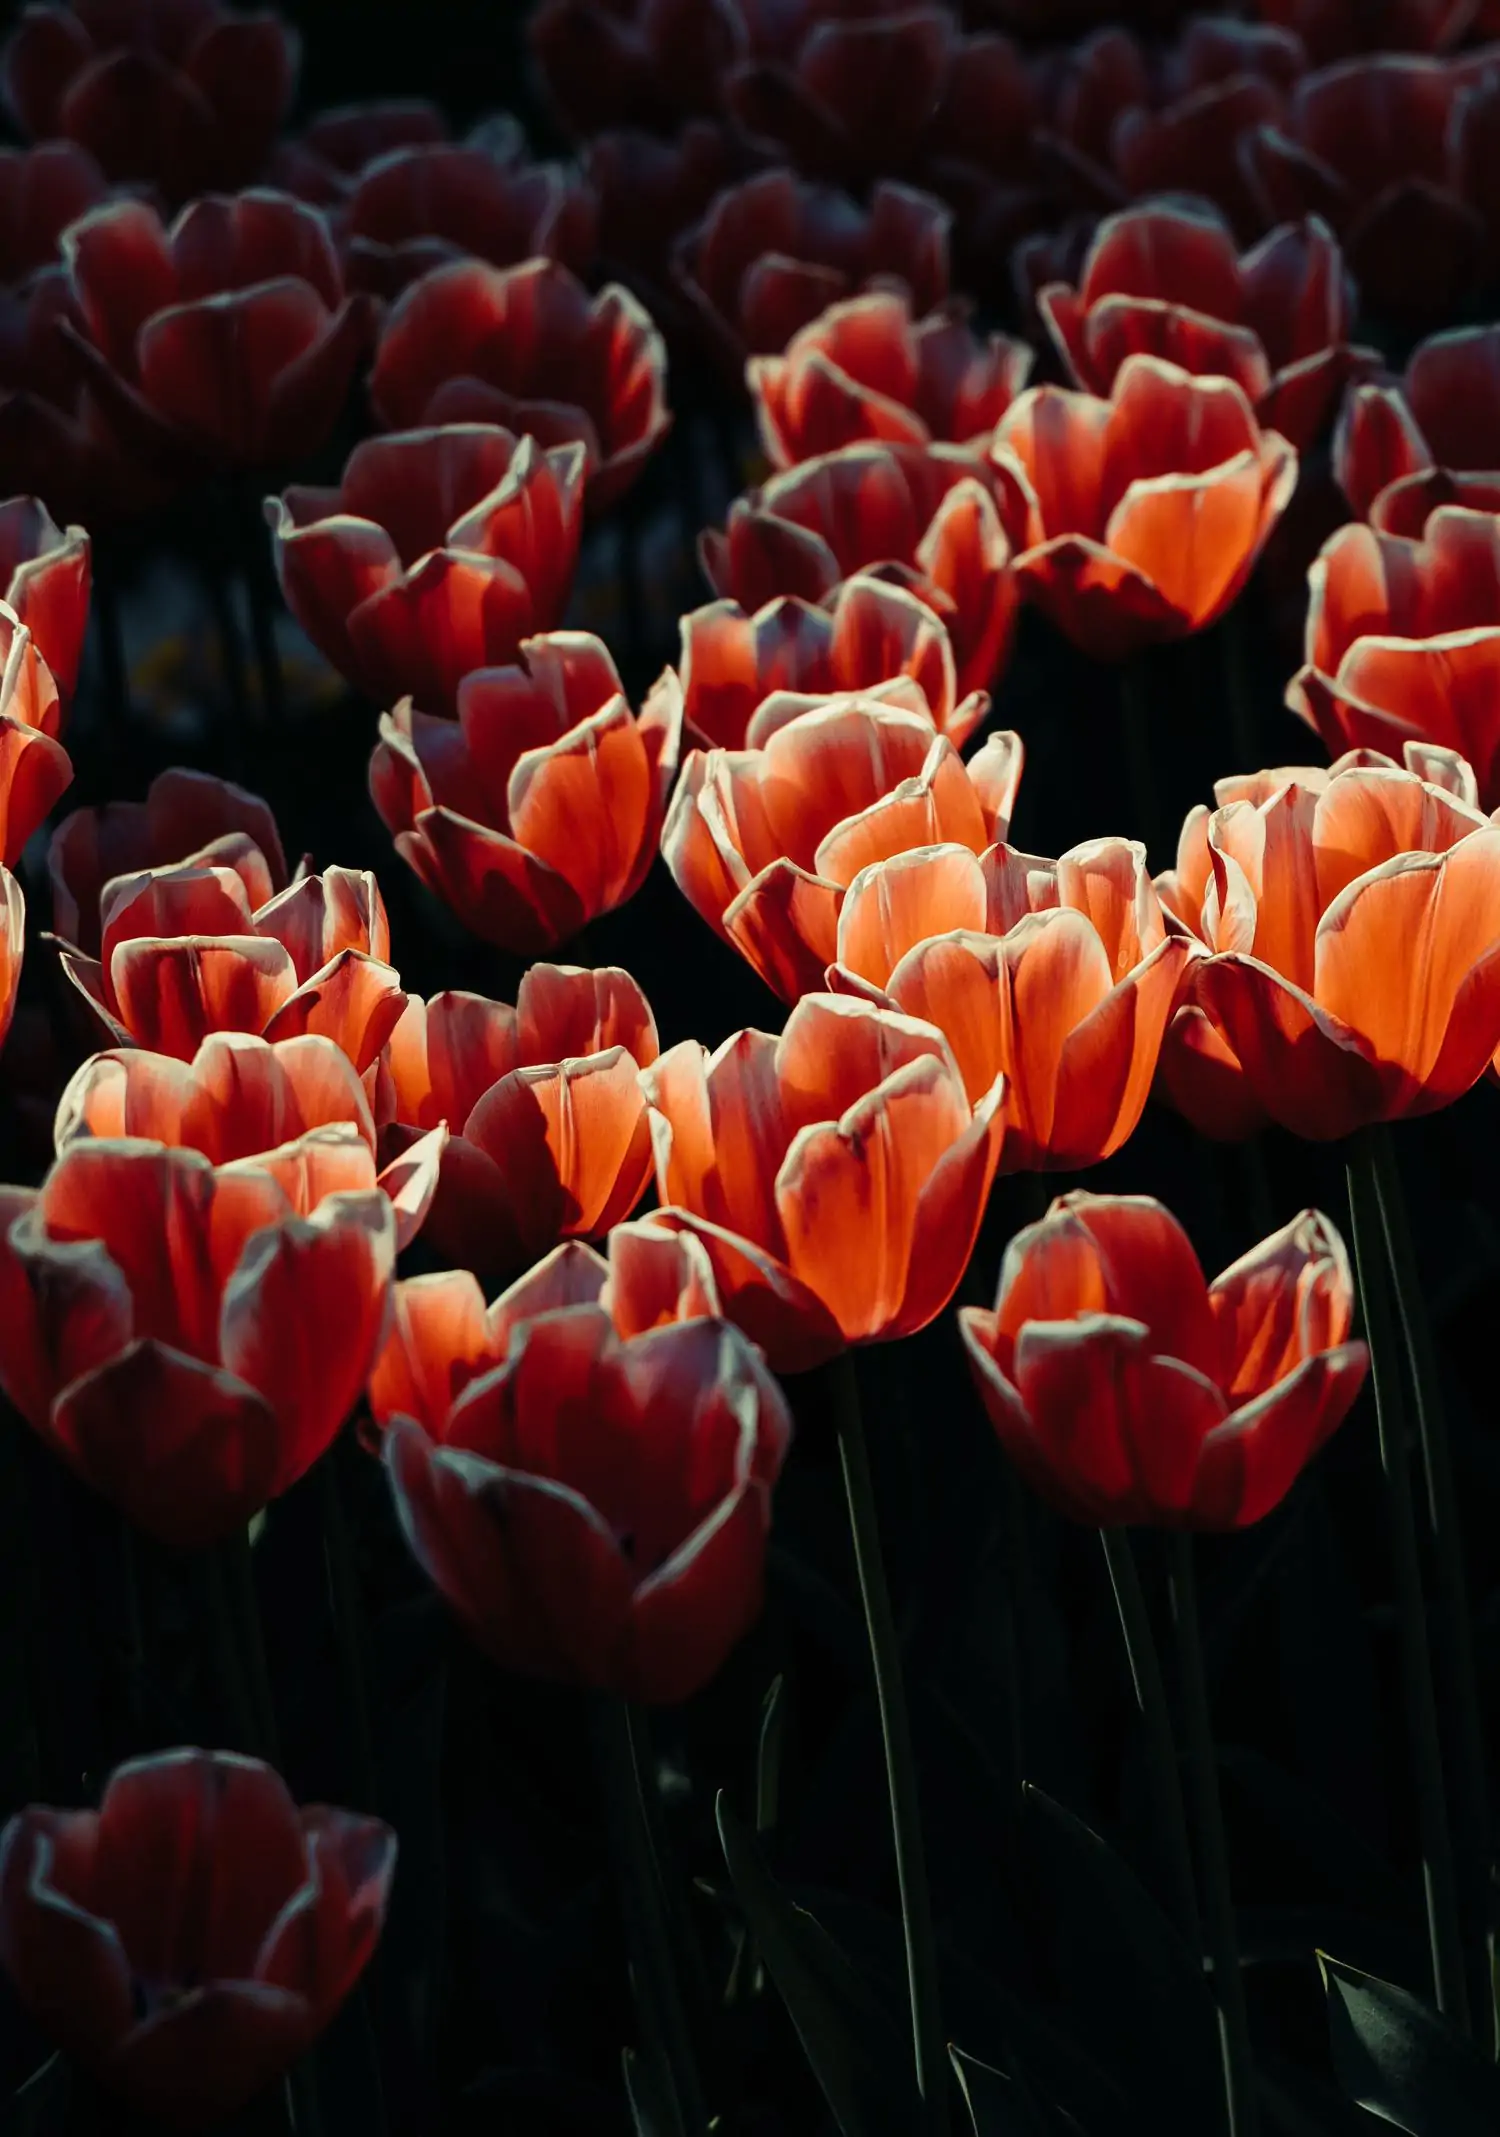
(836, 1175)
(766, 840)
(198, 948)
(438, 554)
(539, 807)
(593, 1503)
(420, 207)
(1060, 975)
(867, 369)
(1353, 921)
(184, 1335)
(191, 1938)
(1147, 511)
(44, 580)
(34, 767)
(529, 348)
(867, 632)
(549, 1138)
(1444, 412)
(941, 522)
(12, 946)
(1127, 1390)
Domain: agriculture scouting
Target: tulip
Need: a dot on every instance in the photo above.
(1192, 145)
(185, 1336)
(439, 553)
(1331, 30)
(44, 580)
(765, 841)
(42, 190)
(191, 1938)
(549, 1138)
(1127, 1390)
(835, 1176)
(1146, 511)
(842, 95)
(12, 946)
(592, 1503)
(1060, 975)
(527, 347)
(325, 162)
(425, 205)
(649, 63)
(1444, 412)
(540, 806)
(34, 767)
(650, 190)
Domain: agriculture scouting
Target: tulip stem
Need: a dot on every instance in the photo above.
(929, 2041)
(1445, 1531)
(1444, 1934)
(1239, 686)
(1240, 2082)
(1137, 719)
(348, 1625)
(1174, 1848)
(240, 1574)
(263, 595)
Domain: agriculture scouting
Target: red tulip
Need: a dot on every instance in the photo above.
(528, 347)
(936, 520)
(185, 96)
(835, 1176)
(648, 63)
(190, 1338)
(1168, 281)
(34, 766)
(1194, 145)
(774, 252)
(1444, 413)
(191, 949)
(1352, 918)
(1147, 510)
(191, 1938)
(1060, 975)
(226, 337)
(549, 1133)
(296, 1108)
(765, 841)
(540, 806)
(323, 164)
(593, 1505)
(42, 190)
(423, 207)
(1127, 1390)
(44, 579)
(649, 191)
(866, 370)
(1338, 29)
(868, 633)
(440, 552)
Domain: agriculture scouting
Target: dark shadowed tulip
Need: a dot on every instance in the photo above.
(939, 521)
(549, 1138)
(34, 767)
(44, 579)
(765, 841)
(438, 554)
(227, 336)
(323, 163)
(1147, 510)
(1443, 414)
(649, 63)
(1352, 918)
(529, 348)
(42, 190)
(1403, 642)
(183, 95)
(593, 1503)
(774, 252)
(198, 948)
(191, 1938)
(836, 1175)
(421, 207)
(1061, 976)
(1127, 1390)
(1192, 145)
(867, 632)
(866, 369)
(295, 1107)
(649, 190)
(12, 946)
(1168, 280)
(540, 806)
(190, 1338)
(1339, 29)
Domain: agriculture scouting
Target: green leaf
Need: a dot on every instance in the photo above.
(1400, 2060)
(860, 2058)
(768, 1757)
(652, 2110)
(997, 2106)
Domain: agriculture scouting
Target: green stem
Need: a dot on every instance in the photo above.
(1443, 1928)
(1240, 2085)
(241, 1570)
(929, 2041)
(349, 1631)
(1173, 1845)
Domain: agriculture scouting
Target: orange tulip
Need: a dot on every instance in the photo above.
(835, 1176)
(12, 946)
(45, 572)
(34, 766)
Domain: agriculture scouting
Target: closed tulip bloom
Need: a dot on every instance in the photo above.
(1352, 920)
(191, 1938)
(549, 1136)
(1061, 976)
(1147, 511)
(44, 579)
(1442, 413)
(34, 767)
(185, 1336)
(422, 206)
(440, 552)
(867, 369)
(324, 163)
(836, 1176)
(540, 806)
(186, 951)
(1127, 1390)
(592, 1504)
(766, 840)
